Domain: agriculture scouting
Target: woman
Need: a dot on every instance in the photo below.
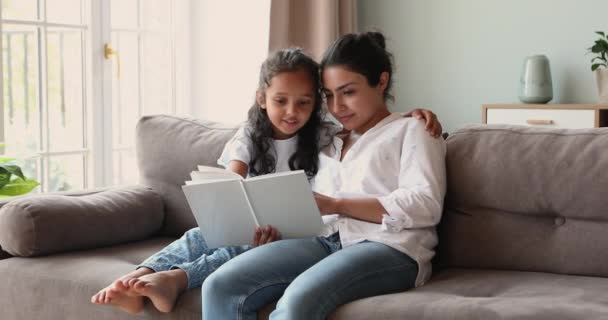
(380, 189)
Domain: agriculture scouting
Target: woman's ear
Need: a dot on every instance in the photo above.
(383, 83)
(260, 99)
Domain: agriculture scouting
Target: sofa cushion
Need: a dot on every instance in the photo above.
(526, 199)
(168, 149)
(464, 294)
(44, 224)
(61, 286)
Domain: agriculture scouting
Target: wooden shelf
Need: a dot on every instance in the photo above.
(600, 112)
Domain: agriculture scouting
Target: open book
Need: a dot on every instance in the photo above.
(227, 207)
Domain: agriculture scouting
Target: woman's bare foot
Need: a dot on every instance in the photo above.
(162, 288)
(117, 294)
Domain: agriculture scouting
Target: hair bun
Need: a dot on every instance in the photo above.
(377, 37)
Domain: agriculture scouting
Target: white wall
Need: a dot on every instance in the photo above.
(230, 41)
(455, 55)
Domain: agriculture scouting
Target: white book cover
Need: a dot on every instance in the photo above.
(228, 209)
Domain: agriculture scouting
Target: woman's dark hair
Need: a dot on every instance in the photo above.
(363, 53)
(306, 156)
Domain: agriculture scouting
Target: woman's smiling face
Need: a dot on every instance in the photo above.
(351, 100)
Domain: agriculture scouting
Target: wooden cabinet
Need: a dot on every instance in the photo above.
(572, 116)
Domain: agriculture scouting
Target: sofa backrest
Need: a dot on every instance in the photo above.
(526, 199)
(168, 149)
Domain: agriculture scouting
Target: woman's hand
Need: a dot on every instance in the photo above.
(327, 205)
(265, 235)
(432, 123)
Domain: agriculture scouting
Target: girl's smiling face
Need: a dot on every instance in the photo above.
(289, 101)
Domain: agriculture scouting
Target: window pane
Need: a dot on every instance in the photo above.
(124, 14)
(64, 11)
(21, 127)
(156, 78)
(20, 9)
(125, 167)
(125, 91)
(65, 89)
(64, 173)
(156, 14)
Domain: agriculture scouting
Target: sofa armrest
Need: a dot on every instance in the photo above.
(50, 223)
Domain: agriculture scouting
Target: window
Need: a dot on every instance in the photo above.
(44, 107)
(67, 114)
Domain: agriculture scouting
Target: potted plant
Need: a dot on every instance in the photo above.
(12, 180)
(599, 65)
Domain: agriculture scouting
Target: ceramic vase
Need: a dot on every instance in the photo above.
(535, 85)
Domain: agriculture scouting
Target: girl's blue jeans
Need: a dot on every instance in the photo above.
(312, 277)
(191, 254)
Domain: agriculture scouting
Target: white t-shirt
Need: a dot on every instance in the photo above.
(402, 166)
(240, 147)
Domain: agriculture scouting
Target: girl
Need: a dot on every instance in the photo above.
(380, 189)
(282, 133)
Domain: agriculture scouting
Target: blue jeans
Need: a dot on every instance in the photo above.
(191, 254)
(313, 276)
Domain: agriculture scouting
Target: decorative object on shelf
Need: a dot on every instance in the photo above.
(535, 85)
(12, 180)
(599, 65)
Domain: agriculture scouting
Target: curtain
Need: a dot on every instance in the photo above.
(310, 24)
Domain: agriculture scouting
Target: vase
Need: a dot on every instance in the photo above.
(535, 85)
(601, 77)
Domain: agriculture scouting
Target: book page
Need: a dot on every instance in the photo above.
(285, 201)
(222, 212)
(209, 176)
(213, 173)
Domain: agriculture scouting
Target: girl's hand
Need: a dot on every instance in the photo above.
(432, 123)
(327, 205)
(265, 235)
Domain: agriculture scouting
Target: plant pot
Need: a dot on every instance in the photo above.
(601, 77)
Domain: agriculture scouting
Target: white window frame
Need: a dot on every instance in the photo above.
(44, 152)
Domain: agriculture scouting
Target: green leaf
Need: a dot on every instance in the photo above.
(13, 169)
(2, 160)
(18, 187)
(595, 66)
(600, 33)
(5, 177)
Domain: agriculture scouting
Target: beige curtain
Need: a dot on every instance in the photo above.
(310, 24)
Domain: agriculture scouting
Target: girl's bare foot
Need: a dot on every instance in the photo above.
(117, 294)
(162, 288)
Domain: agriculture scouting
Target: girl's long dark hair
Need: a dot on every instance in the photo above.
(306, 156)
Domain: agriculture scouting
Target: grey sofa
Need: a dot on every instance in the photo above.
(523, 235)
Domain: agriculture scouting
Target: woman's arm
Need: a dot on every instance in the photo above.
(432, 124)
(368, 209)
(417, 202)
